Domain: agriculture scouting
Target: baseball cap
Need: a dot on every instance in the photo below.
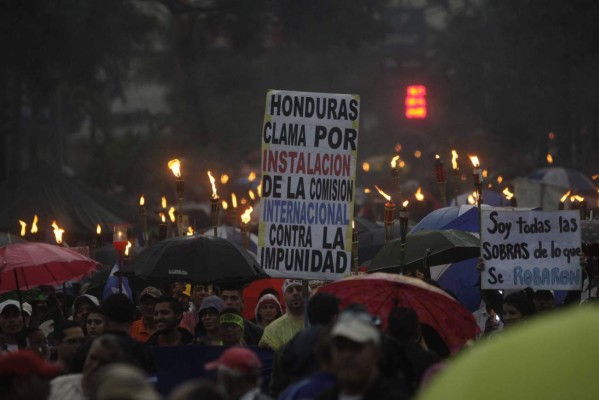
(212, 302)
(25, 363)
(16, 304)
(150, 291)
(85, 297)
(240, 359)
(357, 327)
(290, 283)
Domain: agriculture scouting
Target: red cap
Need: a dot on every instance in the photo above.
(237, 358)
(25, 363)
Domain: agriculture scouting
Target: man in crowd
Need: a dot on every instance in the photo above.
(191, 318)
(143, 328)
(281, 330)
(11, 323)
(233, 298)
(81, 306)
(231, 327)
(355, 355)
(238, 374)
(68, 337)
(167, 316)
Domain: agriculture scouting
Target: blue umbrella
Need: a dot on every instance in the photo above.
(443, 217)
(564, 178)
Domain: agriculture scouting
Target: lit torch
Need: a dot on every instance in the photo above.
(162, 227)
(389, 214)
(98, 235)
(175, 166)
(456, 175)
(395, 174)
(510, 196)
(440, 175)
(418, 195)
(34, 232)
(404, 215)
(214, 203)
(581, 203)
(354, 249)
(144, 223)
(477, 178)
(58, 232)
(563, 200)
(23, 228)
(233, 214)
(246, 218)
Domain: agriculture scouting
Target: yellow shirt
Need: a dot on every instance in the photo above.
(281, 330)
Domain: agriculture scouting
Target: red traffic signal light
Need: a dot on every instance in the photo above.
(416, 102)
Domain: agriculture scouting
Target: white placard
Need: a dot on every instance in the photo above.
(309, 152)
(537, 249)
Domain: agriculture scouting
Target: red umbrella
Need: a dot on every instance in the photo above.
(381, 292)
(251, 294)
(27, 265)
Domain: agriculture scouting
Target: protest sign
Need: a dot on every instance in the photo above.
(537, 249)
(309, 151)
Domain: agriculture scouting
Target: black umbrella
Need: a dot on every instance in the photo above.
(197, 259)
(426, 248)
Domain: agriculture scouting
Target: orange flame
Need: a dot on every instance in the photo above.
(385, 195)
(251, 194)
(578, 198)
(175, 166)
(127, 248)
(259, 189)
(213, 183)
(233, 200)
(243, 201)
(507, 193)
(472, 198)
(454, 159)
(23, 227)
(189, 231)
(595, 177)
(565, 196)
(367, 190)
(549, 158)
(485, 173)
(162, 217)
(417, 154)
(246, 217)
(34, 224)
(171, 214)
(142, 201)
(395, 162)
(164, 205)
(365, 166)
(402, 164)
(405, 204)
(474, 161)
(499, 179)
(225, 205)
(252, 176)
(57, 232)
(98, 229)
(224, 178)
(419, 196)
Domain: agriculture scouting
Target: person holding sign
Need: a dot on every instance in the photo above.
(286, 327)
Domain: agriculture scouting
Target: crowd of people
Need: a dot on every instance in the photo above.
(105, 349)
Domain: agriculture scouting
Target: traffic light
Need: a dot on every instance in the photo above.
(416, 102)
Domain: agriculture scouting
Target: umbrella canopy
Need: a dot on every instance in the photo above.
(197, 259)
(381, 292)
(432, 247)
(565, 179)
(235, 235)
(465, 216)
(553, 357)
(28, 265)
(9, 238)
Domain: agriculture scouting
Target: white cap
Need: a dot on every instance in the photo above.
(356, 328)
(16, 304)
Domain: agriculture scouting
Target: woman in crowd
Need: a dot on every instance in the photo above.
(267, 310)
(208, 330)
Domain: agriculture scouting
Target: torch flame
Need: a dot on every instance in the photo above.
(549, 158)
(246, 217)
(565, 196)
(252, 176)
(233, 200)
(213, 183)
(474, 161)
(23, 227)
(353, 224)
(499, 179)
(98, 229)
(57, 232)
(485, 173)
(259, 189)
(578, 198)
(175, 166)
(385, 195)
(34, 224)
(189, 231)
(224, 178)
(164, 205)
(395, 162)
(405, 203)
(595, 177)
(454, 159)
(243, 201)
(251, 194)
(225, 204)
(366, 166)
(162, 217)
(142, 201)
(367, 190)
(437, 157)
(127, 248)
(419, 196)
(471, 199)
(171, 214)
(507, 193)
